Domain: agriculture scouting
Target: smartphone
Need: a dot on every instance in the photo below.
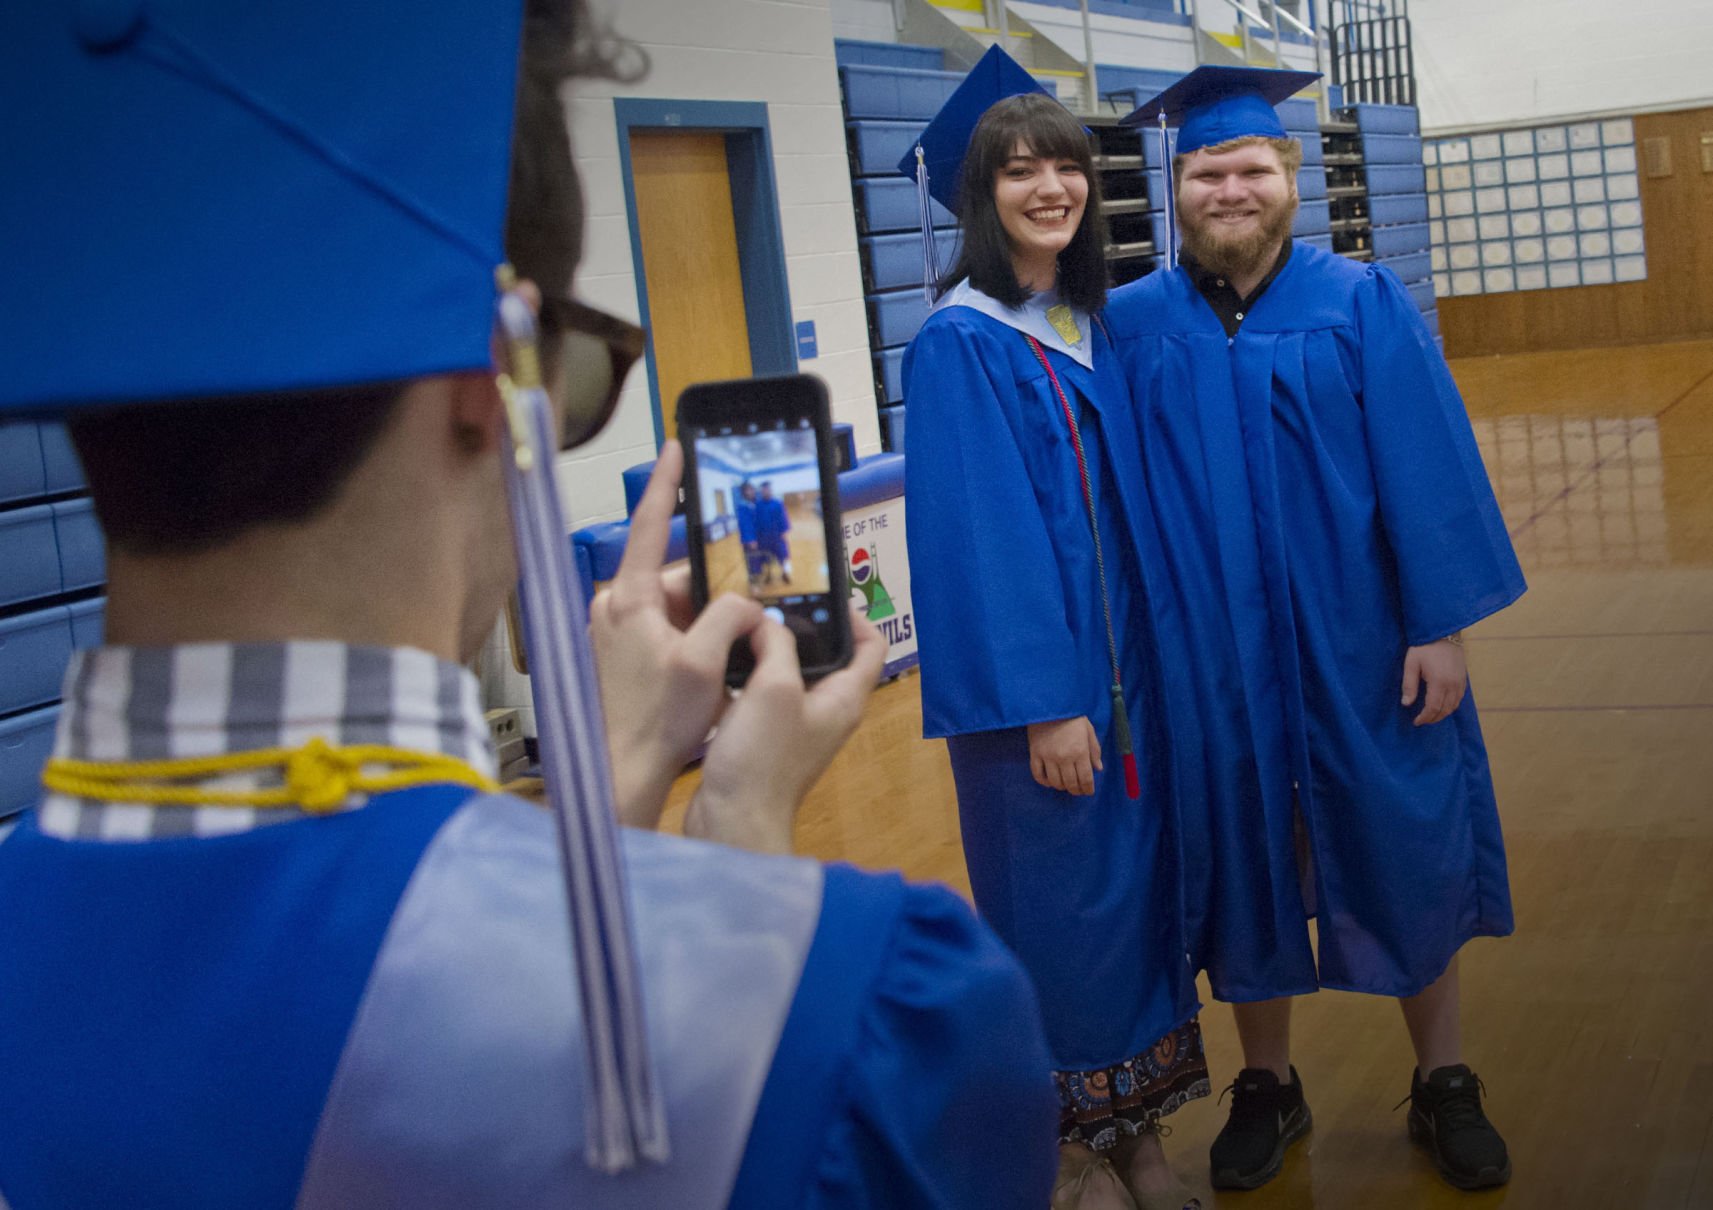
(761, 503)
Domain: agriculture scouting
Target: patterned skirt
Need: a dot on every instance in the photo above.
(1097, 1108)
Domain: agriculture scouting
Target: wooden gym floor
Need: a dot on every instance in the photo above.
(728, 570)
(1593, 1025)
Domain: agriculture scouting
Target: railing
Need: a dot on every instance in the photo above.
(1273, 19)
(1374, 62)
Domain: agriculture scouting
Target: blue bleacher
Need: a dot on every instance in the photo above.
(1311, 184)
(1322, 241)
(896, 92)
(1401, 240)
(1387, 119)
(1422, 292)
(1313, 218)
(888, 203)
(876, 146)
(1409, 266)
(50, 549)
(892, 428)
(1396, 178)
(896, 316)
(851, 52)
(1390, 208)
(1391, 148)
(889, 373)
(895, 261)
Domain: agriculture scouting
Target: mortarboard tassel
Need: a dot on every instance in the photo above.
(925, 212)
(625, 1116)
(1170, 201)
(1126, 747)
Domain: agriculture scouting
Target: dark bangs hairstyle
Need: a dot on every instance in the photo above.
(1046, 129)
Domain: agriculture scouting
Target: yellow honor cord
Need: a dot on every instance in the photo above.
(319, 777)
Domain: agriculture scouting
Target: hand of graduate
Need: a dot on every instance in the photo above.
(662, 669)
(1065, 754)
(778, 737)
(1437, 672)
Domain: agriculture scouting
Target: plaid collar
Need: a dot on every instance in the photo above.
(205, 699)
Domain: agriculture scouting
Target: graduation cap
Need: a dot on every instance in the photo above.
(208, 199)
(1213, 105)
(936, 161)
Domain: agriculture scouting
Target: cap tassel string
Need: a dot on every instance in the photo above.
(625, 1115)
(1169, 201)
(925, 213)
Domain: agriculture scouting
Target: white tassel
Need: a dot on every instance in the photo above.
(1171, 202)
(623, 1107)
(925, 213)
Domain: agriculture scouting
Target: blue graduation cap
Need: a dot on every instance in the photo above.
(210, 199)
(1213, 105)
(936, 161)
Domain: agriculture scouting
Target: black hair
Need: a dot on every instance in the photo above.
(196, 474)
(1046, 129)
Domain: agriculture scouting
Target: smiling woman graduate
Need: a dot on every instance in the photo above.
(1022, 483)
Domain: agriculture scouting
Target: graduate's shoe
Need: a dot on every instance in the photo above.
(1266, 1118)
(1447, 1121)
(1087, 1181)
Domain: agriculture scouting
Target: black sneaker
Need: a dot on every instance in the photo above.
(1447, 1121)
(1266, 1117)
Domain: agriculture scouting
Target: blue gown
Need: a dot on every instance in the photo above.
(771, 526)
(1320, 506)
(1003, 579)
(378, 1008)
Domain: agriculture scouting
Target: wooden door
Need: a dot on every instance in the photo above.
(696, 318)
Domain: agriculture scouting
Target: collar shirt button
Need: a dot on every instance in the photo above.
(1240, 315)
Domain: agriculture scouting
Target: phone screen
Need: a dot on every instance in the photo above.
(762, 515)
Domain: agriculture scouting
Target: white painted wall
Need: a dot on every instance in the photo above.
(775, 51)
(1518, 62)
(867, 20)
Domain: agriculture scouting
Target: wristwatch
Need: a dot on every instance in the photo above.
(1455, 637)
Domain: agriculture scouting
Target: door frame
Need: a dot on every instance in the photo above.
(755, 215)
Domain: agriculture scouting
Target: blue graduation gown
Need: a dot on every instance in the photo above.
(1007, 599)
(378, 1008)
(1319, 506)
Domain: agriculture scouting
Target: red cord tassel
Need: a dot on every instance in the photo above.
(1126, 750)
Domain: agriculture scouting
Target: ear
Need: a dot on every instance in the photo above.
(475, 412)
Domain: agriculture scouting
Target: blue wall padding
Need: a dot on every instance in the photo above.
(29, 553)
(889, 204)
(844, 447)
(82, 549)
(1390, 208)
(1399, 240)
(636, 482)
(59, 460)
(26, 742)
(873, 91)
(1396, 178)
(1410, 267)
(34, 648)
(21, 474)
(878, 477)
(1387, 119)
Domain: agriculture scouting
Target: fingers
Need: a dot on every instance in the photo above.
(1093, 749)
(675, 584)
(638, 576)
(708, 642)
(839, 698)
(1412, 676)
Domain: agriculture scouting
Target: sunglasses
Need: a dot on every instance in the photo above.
(590, 353)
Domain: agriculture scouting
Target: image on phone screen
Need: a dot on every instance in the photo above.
(761, 512)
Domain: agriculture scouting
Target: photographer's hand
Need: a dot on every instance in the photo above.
(778, 738)
(662, 670)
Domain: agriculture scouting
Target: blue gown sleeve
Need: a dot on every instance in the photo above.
(993, 625)
(1454, 558)
(949, 1098)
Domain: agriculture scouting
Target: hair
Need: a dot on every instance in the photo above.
(197, 474)
(1290, 154)
(1048, 130)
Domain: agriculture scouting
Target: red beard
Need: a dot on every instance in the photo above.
(1238, 255)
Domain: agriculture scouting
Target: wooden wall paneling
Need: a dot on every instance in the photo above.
(1676, 300)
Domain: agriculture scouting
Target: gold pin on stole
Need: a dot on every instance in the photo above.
(1064, 322)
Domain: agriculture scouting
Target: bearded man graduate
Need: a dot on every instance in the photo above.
(1324, 532)
(273, 938)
